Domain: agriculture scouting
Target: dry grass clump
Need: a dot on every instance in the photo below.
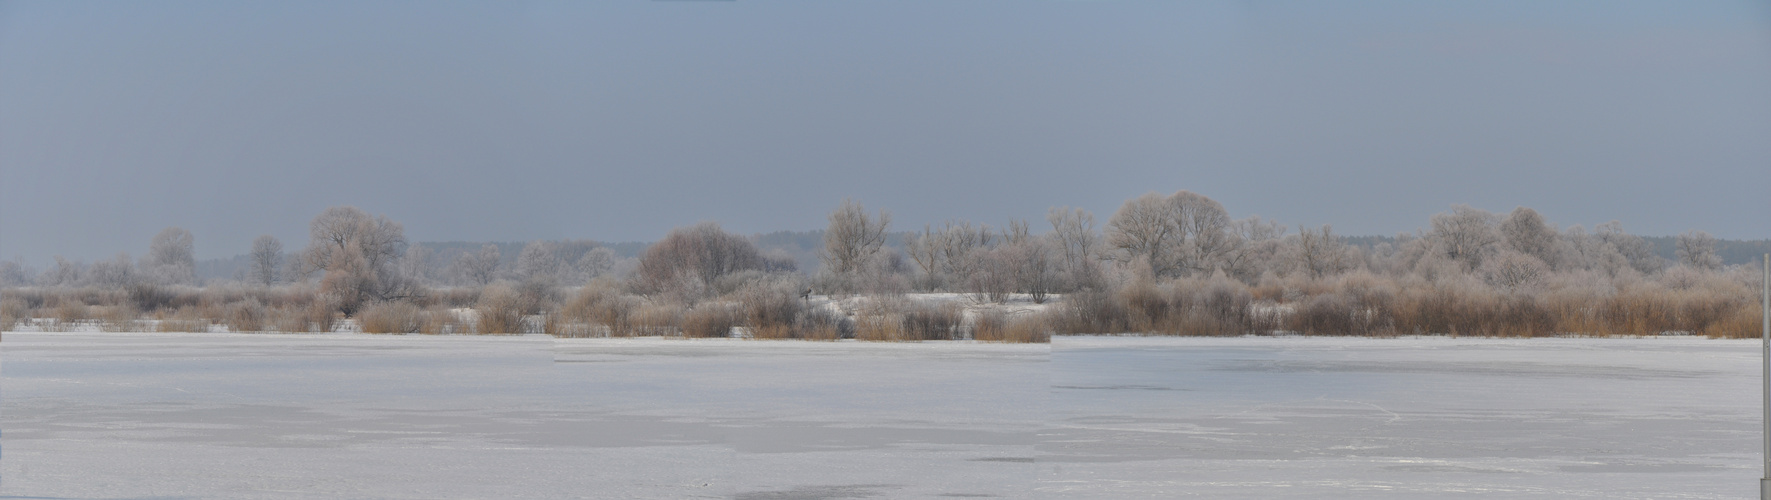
(1742, 323)
(709, 320)
(933, 322)
(1212, 306)
(289, 320)
(184, 319)
(390, 317)
(990, 326)
(246, 315)
(880, 327)
(119, 318)
(12, 311)
(500, 311)
(440, 320)
(823, 324)
(1027, 329)
(665, 319)
(899, 319)
(997, 326)
(71, 312)
(770, 309)
(1091, 312)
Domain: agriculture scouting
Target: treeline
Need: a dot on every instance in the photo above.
(1172, 264)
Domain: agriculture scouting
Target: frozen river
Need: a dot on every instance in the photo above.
(144, 415)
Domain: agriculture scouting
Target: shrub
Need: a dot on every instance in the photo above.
(990, 326)
(886, 327)
(708, 321)
(288, 319)
(823, 324)
(1032, 328)
(933, 322)
(184, 319)
(658, 319)
(500, 311)
(119, 318)
(441, 320)
(600, 304)
(70, 313)
(12, 311)
(390, 317)
(246, 316)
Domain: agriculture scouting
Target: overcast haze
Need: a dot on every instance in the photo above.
(620, 120)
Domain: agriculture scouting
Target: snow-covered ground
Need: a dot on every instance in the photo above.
(218, 415)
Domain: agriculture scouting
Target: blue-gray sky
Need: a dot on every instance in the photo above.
(619, 120)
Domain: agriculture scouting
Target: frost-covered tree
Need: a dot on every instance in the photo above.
(1174, 235)
(687, 262)
(960, 246)
(925, 250)
(359, 255)
(63, 273)
(478, 268)
(115, 273)
(14, 274)
(1074, 230)
(537, 263)
(853, 237)
(1465, 234)
(1697, 249)
(171, 257)
(1512, 270)
(1525, 231)
(267, 259)
(1638, 252)
(1254, 245)
(1145, 229)
(1319, 252)
(416, 265)
(595, 263)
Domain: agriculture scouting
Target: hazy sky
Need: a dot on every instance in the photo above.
(619, 120)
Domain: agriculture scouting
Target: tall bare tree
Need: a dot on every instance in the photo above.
(1174, 235)
(961, 245)
(594, 263)
(1253, 244)
(1634, 249)
(267, 258)
(1074, 229)
(853, 237)
(539, 264)
(171, 257)
(1144, 229)
(1465, 234)
(1320, 252)
(1204, 222)
(359, 255)
(925, 249)
(479, 268)
(1697, 249)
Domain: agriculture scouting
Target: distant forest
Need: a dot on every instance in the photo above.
(1173, 264)
(803, 246)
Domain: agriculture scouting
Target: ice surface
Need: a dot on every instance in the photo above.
(99, 415)
(186, 415)
(1402, 418)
